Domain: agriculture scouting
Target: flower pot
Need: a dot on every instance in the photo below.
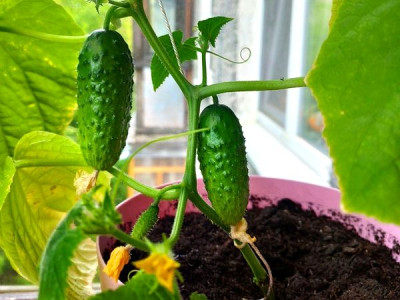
(264, 192)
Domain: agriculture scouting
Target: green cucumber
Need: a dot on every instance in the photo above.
(222, 156)
(105, 81)
(145, 222)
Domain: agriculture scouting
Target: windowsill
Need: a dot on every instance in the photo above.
(271, 158)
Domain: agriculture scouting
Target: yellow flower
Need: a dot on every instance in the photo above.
(162, 266)
(119, 258)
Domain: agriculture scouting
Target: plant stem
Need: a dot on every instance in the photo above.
(243, 86)
(260, 274)
(166, 138)
(204, 68)
(164, 190)
(78, 39)
(179, 216)
(190, 170)
(126, 238)
(119, 4)
(141, 19)
(208, 211)
(45, 162)
(143, 189)
(107, 19)
(189, 182)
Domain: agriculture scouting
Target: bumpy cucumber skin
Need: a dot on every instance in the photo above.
(145, 222)
(222, 156)
(105, 81)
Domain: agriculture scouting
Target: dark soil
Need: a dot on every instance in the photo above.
(311, 258)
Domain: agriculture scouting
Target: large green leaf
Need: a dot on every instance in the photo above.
(37, 90)
(356, 82)
(336, 4)
(141, 286)
(7, 170)
(39, 197)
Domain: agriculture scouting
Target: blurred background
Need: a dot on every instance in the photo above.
(282, 128)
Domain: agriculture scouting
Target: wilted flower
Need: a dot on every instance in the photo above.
(119, 257)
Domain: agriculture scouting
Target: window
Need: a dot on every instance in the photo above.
(293, 33)
(154, 115)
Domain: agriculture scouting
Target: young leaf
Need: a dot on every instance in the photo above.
(141, 286)
(57, 257)
(7, 171)
(39, 198)
(197, 296)
(355, 80)
(211, 27)
(98, 3)
(37, 90)
(158, 71)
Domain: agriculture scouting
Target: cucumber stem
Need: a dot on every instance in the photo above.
(126, 238)
(107, 19)
(215, 99)
(142, 188)
(207, 210)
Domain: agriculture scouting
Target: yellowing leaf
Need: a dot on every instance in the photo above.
(39, 198)
(7, 170)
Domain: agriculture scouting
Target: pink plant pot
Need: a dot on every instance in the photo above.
(263, 192)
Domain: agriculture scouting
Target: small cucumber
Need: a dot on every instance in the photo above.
(105, 81)
(222, 156)
(145, 222)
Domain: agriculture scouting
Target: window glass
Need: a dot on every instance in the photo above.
(157, 19)
(310, 121)
(275, 53)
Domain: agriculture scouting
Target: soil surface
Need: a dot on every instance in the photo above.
(312, 258)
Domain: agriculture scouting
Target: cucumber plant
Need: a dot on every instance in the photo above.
(104, 86)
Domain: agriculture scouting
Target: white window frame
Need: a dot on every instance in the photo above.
(311, 164)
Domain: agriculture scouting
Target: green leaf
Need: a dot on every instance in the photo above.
(158, 71)
(141, 286)
(37, 90)
(57, 257)
(211, 27)
(336, 4)
(356, 82)
(197, 296)
(39, 198)
(7, 171)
